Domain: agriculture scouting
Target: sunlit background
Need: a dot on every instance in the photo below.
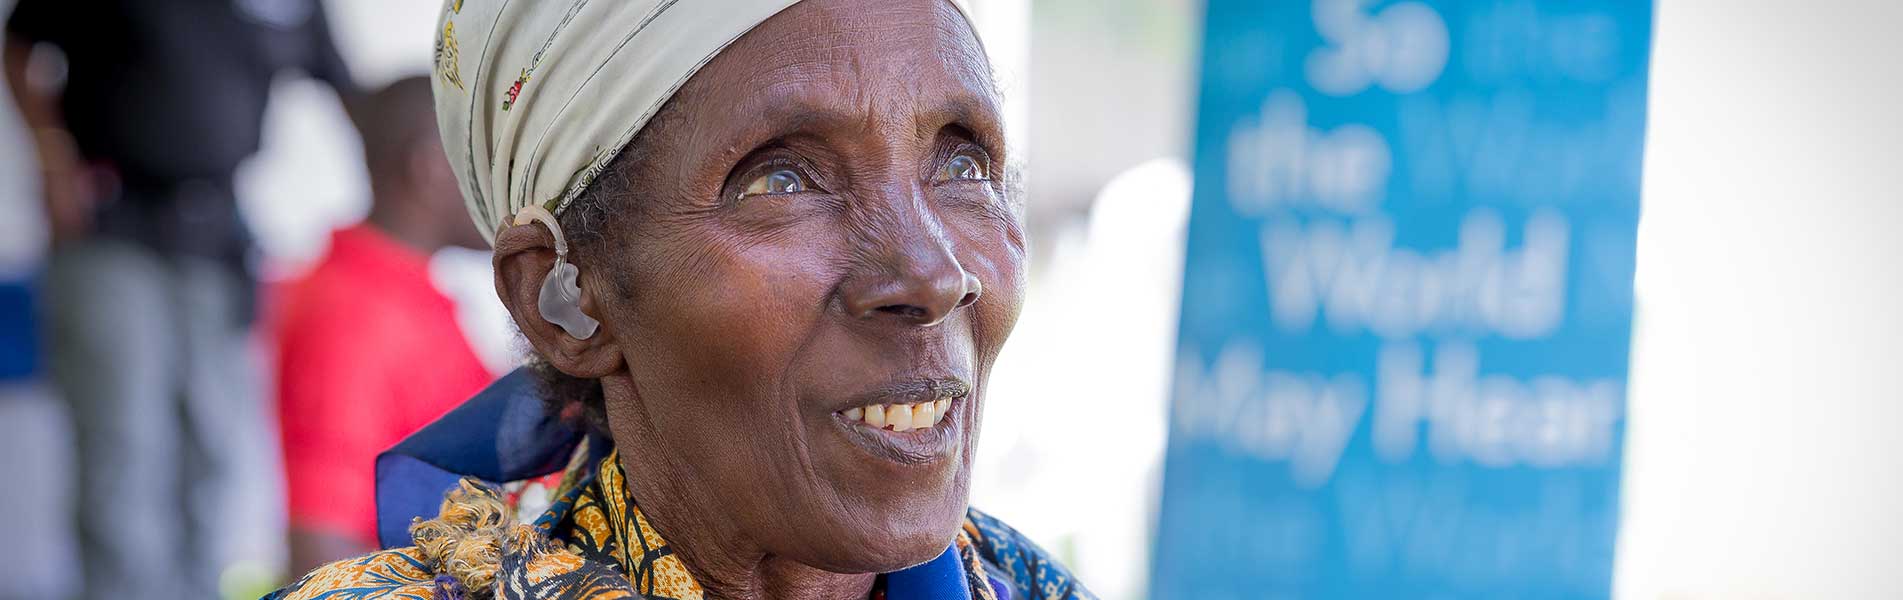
(1761, 457)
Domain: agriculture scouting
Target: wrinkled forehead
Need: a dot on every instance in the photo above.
(858, 62)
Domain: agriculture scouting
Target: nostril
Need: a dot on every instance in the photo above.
(904, 310)
(913, 295)
(973, 289)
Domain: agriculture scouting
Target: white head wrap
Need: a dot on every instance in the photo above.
(535, 97)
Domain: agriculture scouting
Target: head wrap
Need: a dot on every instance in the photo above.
(535, 97)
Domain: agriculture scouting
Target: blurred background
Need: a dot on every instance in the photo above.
(1760, 454)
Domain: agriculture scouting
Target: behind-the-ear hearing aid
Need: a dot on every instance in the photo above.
(560, 300)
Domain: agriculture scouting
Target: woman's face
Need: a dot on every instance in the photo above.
(820, 231)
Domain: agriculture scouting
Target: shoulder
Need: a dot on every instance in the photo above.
(327, 304)
(405, 574)
(1032, 573)
(471, 550)
(395, 574)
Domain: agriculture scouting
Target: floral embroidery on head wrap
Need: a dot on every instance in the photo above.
(527, 91)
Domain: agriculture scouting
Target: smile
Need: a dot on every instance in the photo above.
(900, 417)
(909, 422)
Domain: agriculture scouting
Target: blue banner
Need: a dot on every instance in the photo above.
(1408, 301)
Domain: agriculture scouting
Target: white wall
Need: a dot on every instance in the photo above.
(1767, 384)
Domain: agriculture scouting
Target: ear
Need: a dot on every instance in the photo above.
(523, 257)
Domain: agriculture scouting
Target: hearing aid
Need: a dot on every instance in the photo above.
(560, 298)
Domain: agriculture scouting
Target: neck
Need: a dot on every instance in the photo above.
(724, 560)
(405, 226)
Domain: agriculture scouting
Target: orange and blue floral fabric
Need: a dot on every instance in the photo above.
(593, 543)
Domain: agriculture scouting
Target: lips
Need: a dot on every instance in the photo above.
(909, 422)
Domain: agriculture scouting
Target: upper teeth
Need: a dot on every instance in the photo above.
(900, 417)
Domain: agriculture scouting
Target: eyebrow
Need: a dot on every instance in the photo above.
(803, 113)
(980, 116)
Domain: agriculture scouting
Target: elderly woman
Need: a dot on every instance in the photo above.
(765, 254)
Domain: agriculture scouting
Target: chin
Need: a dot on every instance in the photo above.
(890, 544)
(890, 500)
(892, 555)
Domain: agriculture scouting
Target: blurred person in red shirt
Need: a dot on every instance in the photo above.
(368, 349)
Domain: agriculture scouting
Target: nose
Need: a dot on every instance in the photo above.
(916, 281)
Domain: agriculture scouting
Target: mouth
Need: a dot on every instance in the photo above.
(912, 422)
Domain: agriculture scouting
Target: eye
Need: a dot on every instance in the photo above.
(778, 181)
(966, 165)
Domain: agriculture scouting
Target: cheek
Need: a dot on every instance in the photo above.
(715, 335)
(999, 265)
(1011, 301)
(720, 323)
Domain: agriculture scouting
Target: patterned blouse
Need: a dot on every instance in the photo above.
(593, 543)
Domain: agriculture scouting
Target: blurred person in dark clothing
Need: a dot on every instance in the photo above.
(352, 334)
(149, 296)
(39, 555)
